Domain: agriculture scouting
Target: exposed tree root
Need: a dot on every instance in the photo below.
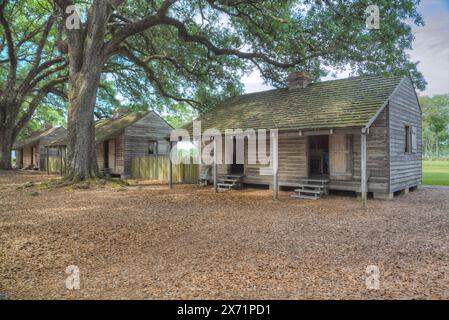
(73, 185)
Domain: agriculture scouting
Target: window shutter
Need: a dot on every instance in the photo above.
(414, 141)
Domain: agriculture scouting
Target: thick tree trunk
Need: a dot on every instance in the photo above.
(81, 153)
(6, 142)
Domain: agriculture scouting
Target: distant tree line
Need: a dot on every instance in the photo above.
(435, 125)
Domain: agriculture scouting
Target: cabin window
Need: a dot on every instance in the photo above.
(162, 147)
(408, 139)
(152, 147)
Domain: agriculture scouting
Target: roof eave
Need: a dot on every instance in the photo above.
(365, 129)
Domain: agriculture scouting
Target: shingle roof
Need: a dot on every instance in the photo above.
(108, 128)
(350, 102)
(56, 133)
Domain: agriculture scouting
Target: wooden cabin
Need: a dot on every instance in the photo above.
(340, 133)
(31, 152)
(123, 137)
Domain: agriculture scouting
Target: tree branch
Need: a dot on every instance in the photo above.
(137, 27)
(152, 77)
(10, 44)
(47, 88)
(185, 36)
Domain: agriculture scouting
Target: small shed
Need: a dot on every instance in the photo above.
(123, 137)
(31, 152)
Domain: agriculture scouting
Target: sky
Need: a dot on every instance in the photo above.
(430, 48)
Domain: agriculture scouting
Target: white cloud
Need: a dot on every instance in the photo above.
(431, 46)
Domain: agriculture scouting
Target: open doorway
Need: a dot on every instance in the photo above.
(236, 168)
(21, 159)
(32, 156)
(318, 150)
(106, 154)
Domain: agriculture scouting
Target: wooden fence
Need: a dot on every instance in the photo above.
(157, 168)
(54, 164)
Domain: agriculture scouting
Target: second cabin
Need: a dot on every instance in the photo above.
(123, 137)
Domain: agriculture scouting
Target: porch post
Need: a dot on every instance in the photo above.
(363, 187)
(60, 160)
(215, 165)
(274, 135)
(48, 164)
(170, 167)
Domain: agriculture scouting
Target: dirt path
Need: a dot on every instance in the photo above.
(152, 243)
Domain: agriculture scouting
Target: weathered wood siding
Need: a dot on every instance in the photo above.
(405, 168)
(138, 135)
(293, 160)
(100, 155)
(292, 155)
(28, 153)
(377, 155)
(49, 138)
(157, 168)
(119, 155)
(116, 158)
(55, 164)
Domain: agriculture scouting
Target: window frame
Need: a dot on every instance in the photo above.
(156, 147)
(408, 139)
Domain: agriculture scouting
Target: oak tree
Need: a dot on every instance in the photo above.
(31, 67)
(182, 53)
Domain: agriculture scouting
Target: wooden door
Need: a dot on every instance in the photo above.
(111, 154)
(21, 159)
(106, 154)
(340, 154)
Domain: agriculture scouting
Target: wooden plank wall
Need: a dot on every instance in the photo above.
(405, 168)
(293, 164)
(54, 164)
(41, 156)
(157, 168)
(119, 155)
(115, 154)
(292, 159)
(377, 155)
(100, 155)
(27, 155)
(137, 138)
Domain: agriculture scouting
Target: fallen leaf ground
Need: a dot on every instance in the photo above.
(147, 242)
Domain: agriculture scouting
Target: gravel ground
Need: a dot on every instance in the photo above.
(147, 242)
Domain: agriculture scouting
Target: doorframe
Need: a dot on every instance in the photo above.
(234, 155)
(21, 158)
(106, 154)
(32, 156)
(308, 137)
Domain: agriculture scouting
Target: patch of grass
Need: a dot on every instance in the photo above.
(436, 172)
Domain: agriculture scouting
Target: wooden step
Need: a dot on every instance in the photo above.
(304, 197)
(227, 180)
(227, 185)
(231, 176)
(309, 191)
(322, 181)
(321, 186)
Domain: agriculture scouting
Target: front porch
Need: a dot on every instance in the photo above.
(338, 156)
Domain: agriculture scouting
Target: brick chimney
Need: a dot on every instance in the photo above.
(299, 80)
(119, 112)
